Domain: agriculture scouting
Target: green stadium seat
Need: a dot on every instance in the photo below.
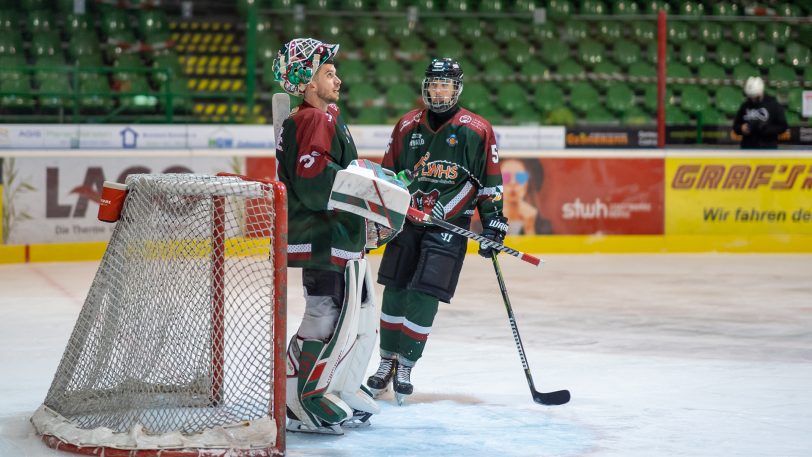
(570, 70)
(363, 96)
(762, 54)
(493, 6)
(744, 70)
(606, 70)
(650, 97)
(599, 116)
(29, 5)
(675, 116)
(11, 63)
(777, 33)
(525, 114)
(693, 99)
(497, 72)
(377, 49)
(39, 21)
(114, 21)
(626, 52)
(388, 72)
(10, 43)
(610, 31)
(417, 70)
(689, 8)
(49, 66)
(486, 52)
(808, 73)
(591, 52)
(543, 33)
(83, 44)
(355, 6)
(710, 70)
(267, 46)
(402, 97)
(365, 28)
(576, 31)
(624, 7)
(506, 30)
(583, 97)
(781, 73)
(390, 6)
(373, 115)
(655, 6)
(644, 31)
(475, 96)
(693, 54)
(46, 43)
(642, 69)
(793, 119)
(427, 6)
(472, 30)
(744, 33)
(520, 52)
(152, 23)
(560, 116)
(398, 28)
(510, 97)
(652, 52)
(728, 54)
(436, 28)
(75, 23)
(711, 116)
(559, 10)
(637, 116)
(728, 99)
(170, 67)
(9, 20)
(678, 70)
(554, 53)
(524, 6)
(318, 5)
(181, 100)
(595, 7)
(412, 48)
(678, 32)
(710, 32)
(619, 98)
(449, 47)
(19, 95)
(788, 9)
(548, 97)
(95, 94)
(797, 55)
(280, 4)
(459, 6)
(492, 114)
(725, 9)
(54, 94)
(795, 99)
(535, 71)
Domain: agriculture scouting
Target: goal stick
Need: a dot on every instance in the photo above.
(280, 109)
(485, 242)
(558, 397)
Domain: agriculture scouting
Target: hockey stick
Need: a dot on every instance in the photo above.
(280, 109)
(485, 242)
(558, 397)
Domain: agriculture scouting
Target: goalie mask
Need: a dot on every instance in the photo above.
(442, 85)
(297, 62)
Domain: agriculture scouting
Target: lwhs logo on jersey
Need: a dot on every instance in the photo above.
(451, 140)
(425, 201)
(416, 140)
(464, 119)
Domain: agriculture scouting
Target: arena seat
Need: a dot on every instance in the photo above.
(728, 54)
(710, 70)
(709, 32)
(763, 54)
(548, 96)
(797, 55)
(728, 99)
(724, 8)
(595, 7)
(693, 54)
(619, 98)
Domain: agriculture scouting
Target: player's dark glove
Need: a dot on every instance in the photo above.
(494, 230)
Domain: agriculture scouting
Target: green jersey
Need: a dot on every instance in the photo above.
(455, 169)
(313, 147)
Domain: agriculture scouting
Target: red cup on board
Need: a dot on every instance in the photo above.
(112, 201)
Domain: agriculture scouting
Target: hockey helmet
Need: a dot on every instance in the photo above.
(297, 62)
(444, 73)
(754, 87)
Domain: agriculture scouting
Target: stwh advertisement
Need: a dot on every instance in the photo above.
(56, 200)
(747, 196)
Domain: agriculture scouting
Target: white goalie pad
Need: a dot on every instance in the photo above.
(372, 192)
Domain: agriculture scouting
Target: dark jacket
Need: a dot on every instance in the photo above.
(766, 120)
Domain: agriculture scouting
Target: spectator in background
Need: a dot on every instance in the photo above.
(760, 118)
(522, 179)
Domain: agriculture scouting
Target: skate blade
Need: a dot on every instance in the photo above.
(400, 398)
(295, 426)
(359, 419)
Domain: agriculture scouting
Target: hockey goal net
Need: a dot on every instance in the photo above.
(179, 349)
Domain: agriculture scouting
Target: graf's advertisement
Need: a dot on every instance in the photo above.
(56, 200)
(753, 196)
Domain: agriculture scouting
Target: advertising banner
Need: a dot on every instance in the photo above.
(56, 200)
(136, 136)
(578, 196)
(748, 196)
(724, 135)
(611, 137)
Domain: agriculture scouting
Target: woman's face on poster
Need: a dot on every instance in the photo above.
(514, 179)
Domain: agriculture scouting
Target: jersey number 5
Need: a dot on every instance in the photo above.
(494, 154)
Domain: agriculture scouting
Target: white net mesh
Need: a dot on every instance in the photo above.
(177, 332)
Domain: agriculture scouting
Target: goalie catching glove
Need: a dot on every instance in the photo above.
(495, 230)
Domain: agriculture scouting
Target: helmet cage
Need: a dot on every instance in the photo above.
(441, 104)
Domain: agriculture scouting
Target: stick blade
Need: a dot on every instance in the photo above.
(558, 397)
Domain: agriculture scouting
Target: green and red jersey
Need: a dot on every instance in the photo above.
(455, 169)
(313, 147)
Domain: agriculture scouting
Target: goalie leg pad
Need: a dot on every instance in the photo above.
(348, 383)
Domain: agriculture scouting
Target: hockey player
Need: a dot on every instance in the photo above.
(452, 157)
(329, 354)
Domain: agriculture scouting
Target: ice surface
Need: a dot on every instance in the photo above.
(665, 355)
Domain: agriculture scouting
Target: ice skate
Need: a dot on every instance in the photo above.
(402, 384)
(378, 383)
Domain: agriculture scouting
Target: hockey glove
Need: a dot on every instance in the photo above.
(378, 235)
(495, 230)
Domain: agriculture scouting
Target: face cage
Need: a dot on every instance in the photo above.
(441, 106)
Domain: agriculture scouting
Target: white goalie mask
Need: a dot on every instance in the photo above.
(442, 85)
